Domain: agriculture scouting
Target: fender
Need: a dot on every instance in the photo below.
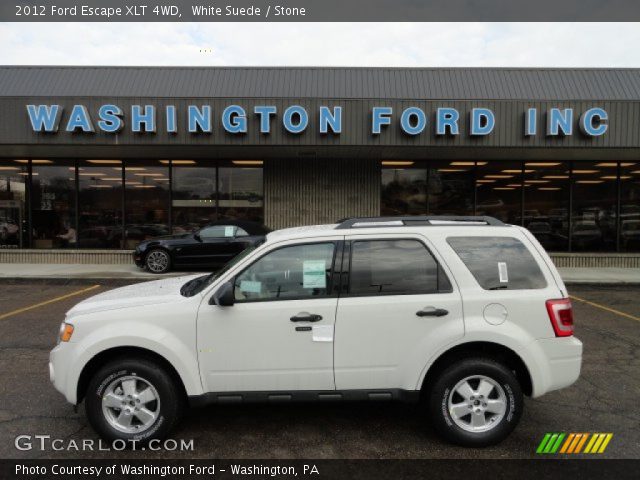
(529, 351)
(143, 335)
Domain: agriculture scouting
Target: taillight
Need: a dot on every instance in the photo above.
(561, 316)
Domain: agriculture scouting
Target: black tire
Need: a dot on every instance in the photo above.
(152, 264)
(169, 410)
(441, 391)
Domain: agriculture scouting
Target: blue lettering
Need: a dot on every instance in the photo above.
(329, 120)
(593, 122)
(110, 119)
(303, 119)
(407, 121)
(146, 118)
(447, 118)
(234, 119)
(172, 121)
(44, 117)
(265, 112)
(560, 121)
(80, 119)
(482, 121)
(380, 116)
(531, 122)
(199, 120)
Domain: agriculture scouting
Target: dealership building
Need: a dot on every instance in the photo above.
(99, 158)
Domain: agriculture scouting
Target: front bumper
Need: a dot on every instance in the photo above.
(563, 362)
(138, 259)
(60, 361)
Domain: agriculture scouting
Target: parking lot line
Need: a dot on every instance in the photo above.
(604, 307)
(47, 302)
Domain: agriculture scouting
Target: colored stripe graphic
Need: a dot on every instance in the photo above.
(573, 443)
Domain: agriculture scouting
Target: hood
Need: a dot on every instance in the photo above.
(148, 293)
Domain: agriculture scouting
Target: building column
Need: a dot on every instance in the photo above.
(319, 191)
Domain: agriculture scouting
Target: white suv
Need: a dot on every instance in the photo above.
(466, 314)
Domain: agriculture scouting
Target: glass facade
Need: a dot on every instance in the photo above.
(569, 206)
(581, 206)
(114, 204)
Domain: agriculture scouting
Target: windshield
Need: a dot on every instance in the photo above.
(192, 287)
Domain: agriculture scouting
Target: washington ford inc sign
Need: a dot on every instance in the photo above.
(234, 120)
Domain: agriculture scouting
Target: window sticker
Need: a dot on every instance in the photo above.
(502, 272)
(249, 286)
(313, 274)
(228, 231)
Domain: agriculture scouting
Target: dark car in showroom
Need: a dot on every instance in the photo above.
(208, 247)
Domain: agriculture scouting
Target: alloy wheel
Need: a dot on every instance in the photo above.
(477, 404)
(130, 404)
(157, 261)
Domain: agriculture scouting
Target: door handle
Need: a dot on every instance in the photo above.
(306, 317)
(432, 312)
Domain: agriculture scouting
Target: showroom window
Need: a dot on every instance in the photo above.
(451, 188)
(499, 191)
(194, 194)
(13, 203)
(630, 207)
(147, 199)
(53, 200)
(240, 190)
(546, 200)
(100, 204)
(404, 188)
(593, 219)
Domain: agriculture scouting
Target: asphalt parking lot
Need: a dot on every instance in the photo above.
(605, 399)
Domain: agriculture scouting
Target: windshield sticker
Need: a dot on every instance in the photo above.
(313, 274)
(502, 272)
(228, 231)
(249, 286)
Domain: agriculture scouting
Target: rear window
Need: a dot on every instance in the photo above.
(499, 262)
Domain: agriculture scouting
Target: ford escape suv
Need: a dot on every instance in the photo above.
(465, 314)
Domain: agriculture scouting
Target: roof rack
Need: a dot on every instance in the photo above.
(428, 220)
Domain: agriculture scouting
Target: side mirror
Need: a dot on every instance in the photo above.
(224, 296)
(197, 237)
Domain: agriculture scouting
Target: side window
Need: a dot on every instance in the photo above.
(499, 262)
(394, 267)
(241, 232)
(218, 231)
(295, 272)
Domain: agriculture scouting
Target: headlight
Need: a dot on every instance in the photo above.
(66, 330)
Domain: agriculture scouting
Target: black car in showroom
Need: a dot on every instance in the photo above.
(208, 247)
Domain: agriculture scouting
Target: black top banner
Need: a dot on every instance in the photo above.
(320, 11)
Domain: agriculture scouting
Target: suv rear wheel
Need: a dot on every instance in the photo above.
(475, 402)
(133, 400)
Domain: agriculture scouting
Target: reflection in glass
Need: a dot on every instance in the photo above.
(630, 207)
(241, 190)
(499, 192)
(54, 204)
(13, 195)
(100, 205)
(451, 186)
(546, 203)
(146, 201)
(194, 194)
(404, 188)
(594, 206)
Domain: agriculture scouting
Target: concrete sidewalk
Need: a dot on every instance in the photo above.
(611, 276)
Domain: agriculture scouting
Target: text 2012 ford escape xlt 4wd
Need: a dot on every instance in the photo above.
(465, 313)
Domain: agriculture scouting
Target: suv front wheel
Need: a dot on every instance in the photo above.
(133, 400)
(476, 402)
